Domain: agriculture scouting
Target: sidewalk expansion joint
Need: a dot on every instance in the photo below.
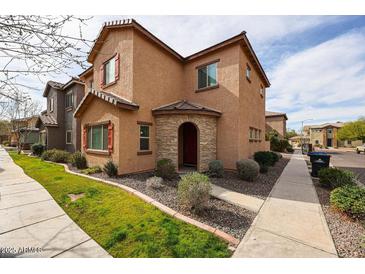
(51, 199)
(72, 247)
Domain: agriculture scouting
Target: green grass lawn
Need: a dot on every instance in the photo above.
(120, 222)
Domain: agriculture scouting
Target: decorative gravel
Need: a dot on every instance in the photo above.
(348, 234)
(260, 188)
(219, 214)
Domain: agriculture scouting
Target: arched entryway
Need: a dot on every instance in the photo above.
(188, 146)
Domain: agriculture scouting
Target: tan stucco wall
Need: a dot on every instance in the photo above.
(251, 108)
(151, 77)
(278, 123)
(224, 99)
(167, 139)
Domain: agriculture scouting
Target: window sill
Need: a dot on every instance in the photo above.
(147, 152)
(207, 88)
(110, 84)
(97, 151)
(69, 108)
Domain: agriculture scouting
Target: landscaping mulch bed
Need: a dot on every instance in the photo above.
(348, 234)
(219, 214)
(260, 188)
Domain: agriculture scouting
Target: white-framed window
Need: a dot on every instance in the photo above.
(144, 137)
(69, 99)
(68, 137)
(97, 137)
(91, 85)
(109, 71)
(262, 90)
(254, 134)
(51, 104)
(207, 76)
(248, 72)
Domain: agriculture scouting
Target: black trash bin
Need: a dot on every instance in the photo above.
(314, 156)
(317, 165)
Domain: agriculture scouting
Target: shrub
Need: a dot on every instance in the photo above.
(216, 169)
(37, 149)
(6, 143)
(349, 199)
(332, 177)
(194, 191)
(60, 156)
(165, 169)
(46, 155)
(56, 155)
(290, 149)
(154, 182)
(264, 158)
(91, 170)
(78, 160)
(276, 156)
(264, 168)
(247, 169)
(117, 235)
(111, 169)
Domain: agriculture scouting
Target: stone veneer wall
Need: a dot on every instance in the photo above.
(167, 127)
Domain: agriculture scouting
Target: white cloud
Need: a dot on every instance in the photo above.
(326, 81)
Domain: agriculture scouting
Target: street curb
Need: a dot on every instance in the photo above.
(219, 233)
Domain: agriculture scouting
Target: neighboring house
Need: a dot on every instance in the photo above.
(298, 141)
(24, 131)
(58, 128)
(324, 135)
(146, 102)
(276, 121)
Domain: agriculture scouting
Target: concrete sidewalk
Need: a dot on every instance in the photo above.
(248, 202)
(31, 222)
(291, 222)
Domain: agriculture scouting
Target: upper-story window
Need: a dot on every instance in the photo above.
(262, 90)
(110, 71)
(91, 85)
(69, 99)
(207, 76)
(51, 104)
(248, 72)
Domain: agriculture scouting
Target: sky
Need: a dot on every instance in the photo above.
(316, 64)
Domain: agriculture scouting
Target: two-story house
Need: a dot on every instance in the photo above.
(58, 127)
(276, 121)
(145, 101)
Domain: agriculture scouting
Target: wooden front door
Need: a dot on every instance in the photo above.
(190, 144)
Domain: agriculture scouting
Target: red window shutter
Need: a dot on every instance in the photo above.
(110, 137)
(84, 137)
(102, 80)
(117, 58)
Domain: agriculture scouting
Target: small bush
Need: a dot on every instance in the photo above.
(332, 178)
(78, 160)
(111, 169)
(194, 191)
(264, 168)
(46, 155)
(165, 169)
(56, 155)
(60, 156)
(349, 199)
(37, 149)
(264, 158)
(290, 149)
(276, 156)
(216, 169)
(6, 143)
(154, 182)
(247, 169)
(91, 170)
